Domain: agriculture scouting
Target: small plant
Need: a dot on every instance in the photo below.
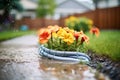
(63, 39)
(80, 23)
(95, 31)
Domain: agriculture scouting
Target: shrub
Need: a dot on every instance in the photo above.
(78, 24)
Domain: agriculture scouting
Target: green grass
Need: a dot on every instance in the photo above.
(12, 34)
(108, 43)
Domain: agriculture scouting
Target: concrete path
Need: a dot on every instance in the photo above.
(19, 60)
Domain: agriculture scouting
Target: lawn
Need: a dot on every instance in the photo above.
(108, 43)
(12, 34)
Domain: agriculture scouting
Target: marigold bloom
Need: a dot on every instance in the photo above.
(69, 30)
(68, 38)
(53, 28)
(90, 22)
(41, 31)
(44, 36)
(66, 28)
(95, 31)
(84, 38)
(66, 21)
(54, 35)
(81, 32)
(73, 18)
(61, 33)
(78, 34)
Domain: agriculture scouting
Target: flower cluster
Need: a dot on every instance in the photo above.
(55, 37)
(79, 23)
(71, 21)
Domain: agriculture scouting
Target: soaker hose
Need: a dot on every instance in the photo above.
(63, 55)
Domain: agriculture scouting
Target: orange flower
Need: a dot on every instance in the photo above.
(84, 38)
(44, 36)
(68, 30)
(53, 28)
(81, 32)
(95, 31)
(40, 31)
(77, 34)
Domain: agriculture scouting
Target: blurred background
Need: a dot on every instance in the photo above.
(35, 14)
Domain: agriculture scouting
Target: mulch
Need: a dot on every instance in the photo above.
(105, 65)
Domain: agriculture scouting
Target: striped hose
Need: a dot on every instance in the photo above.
(64, 55)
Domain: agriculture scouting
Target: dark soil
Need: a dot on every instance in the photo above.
(105, 65)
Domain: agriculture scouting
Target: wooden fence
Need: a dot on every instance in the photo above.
(103, 18)
(35, 23)
(108, 18)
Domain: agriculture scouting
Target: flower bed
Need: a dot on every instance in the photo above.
(63, 44)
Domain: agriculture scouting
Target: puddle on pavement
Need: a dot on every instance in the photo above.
(70, 71)
(45, 69)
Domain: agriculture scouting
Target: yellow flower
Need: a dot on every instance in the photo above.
(72, 18)
(90, 22)
(69, 30)
(54, 34)
(68, 38)
(67, 20)
(61, 33)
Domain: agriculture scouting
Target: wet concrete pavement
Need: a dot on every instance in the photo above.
(19, 60)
